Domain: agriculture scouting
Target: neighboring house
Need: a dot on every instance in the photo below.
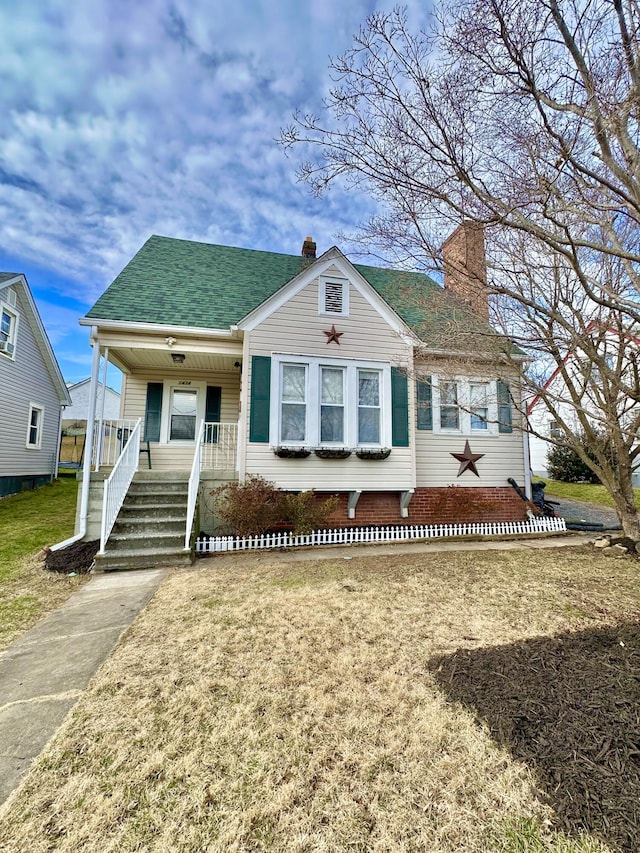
(545, 426)
(375, 384)
(74, 424)
(78, 411)
(34, 392)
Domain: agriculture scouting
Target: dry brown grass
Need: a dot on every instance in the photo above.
(258, 705)
(30, 592)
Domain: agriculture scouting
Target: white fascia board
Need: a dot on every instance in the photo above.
(157, 328)
(332, 257)
(42, 339)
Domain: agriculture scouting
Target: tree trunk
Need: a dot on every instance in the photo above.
(623, 496)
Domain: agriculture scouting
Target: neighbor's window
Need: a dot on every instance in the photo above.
(449, 409)
(184, 408)
(478, 396)
(368, 407)
(7, 330)
(555, 430)
(34, 431)
(293, 405)
(332, 405)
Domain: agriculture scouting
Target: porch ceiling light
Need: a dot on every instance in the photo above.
(178, 357)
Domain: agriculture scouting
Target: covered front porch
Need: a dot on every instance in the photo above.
(180, 405)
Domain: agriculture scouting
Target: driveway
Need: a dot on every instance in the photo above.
(584, 512)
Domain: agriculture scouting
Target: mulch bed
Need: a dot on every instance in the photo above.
(76, 558)
(568, 706)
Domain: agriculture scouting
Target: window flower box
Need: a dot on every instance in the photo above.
(373, 452)
(292, 452)
(333, 452)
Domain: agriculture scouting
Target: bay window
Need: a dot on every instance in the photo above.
(327, 402)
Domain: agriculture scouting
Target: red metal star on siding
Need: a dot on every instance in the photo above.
(332, 335)
(467, 460)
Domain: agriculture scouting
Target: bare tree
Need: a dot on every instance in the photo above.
(520, 115)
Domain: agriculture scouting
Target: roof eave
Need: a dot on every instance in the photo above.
(159, 328)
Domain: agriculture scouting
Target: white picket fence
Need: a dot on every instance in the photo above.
(362, 535)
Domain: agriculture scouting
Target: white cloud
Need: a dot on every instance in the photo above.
(125, 119)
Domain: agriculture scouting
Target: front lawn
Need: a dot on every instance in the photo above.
(589, 492)
(459, 702)
(28, 522)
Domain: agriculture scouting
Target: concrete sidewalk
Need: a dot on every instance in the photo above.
(43, 673)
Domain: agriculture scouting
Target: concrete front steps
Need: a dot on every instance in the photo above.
(150, 527)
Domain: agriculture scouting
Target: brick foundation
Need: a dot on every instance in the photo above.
(445, 505)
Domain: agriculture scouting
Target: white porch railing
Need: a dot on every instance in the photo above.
(364, 535)
(109, 439)
(117, 485)
(194, 483)
(220, 446)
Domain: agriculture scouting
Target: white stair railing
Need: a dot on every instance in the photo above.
(194, 484)
(220, 446)
(117, 485)
(109, 440)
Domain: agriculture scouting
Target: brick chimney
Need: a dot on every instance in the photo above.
(309, 248)
(465, 266)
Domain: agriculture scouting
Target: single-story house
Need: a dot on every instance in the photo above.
(374, 384)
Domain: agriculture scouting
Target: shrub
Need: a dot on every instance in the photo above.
(565, 465)
(306, 513)
(257, 505)
(251, 508)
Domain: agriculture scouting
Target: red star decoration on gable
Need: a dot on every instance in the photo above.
(332, 335)
(467, 460)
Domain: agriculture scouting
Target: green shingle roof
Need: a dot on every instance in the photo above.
(202, 285)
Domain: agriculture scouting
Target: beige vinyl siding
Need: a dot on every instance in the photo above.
(25, 380)
(503, 458)
(178, 456)
(297, 328)
(503, 452)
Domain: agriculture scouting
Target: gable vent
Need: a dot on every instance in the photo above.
(11, 294)
(333, 297)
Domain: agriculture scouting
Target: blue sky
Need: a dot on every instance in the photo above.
(122, 120)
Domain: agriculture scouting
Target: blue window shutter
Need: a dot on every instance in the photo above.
(212, 413)
(260, 398)
(424, 416)
(505, 423)
(399, 408)
(153, 412)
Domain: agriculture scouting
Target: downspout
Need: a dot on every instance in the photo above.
(526, 451)
(88, 450)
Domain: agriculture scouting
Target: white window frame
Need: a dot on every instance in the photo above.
(165, 425)
(480, 430)
(6, 308)
(464, 384)
(281, 402)
(322, 296)
(37, 445)
(312, 433)
(343, 406)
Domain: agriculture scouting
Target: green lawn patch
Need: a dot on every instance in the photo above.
(594, 494)
(30, 521)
